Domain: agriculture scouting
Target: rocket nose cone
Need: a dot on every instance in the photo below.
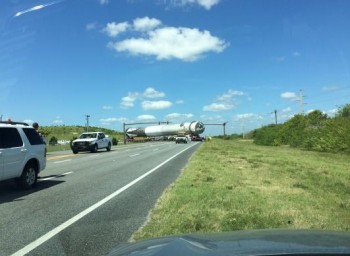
(200, 127)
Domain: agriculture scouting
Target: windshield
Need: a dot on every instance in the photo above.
(221, 115)
(87, 135)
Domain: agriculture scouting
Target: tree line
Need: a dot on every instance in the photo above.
(313, 131)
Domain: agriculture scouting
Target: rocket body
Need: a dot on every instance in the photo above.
(167, 130)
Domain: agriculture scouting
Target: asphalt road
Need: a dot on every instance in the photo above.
(86, 204)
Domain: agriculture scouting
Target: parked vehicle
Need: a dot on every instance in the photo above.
(91, 141)
(22, 153)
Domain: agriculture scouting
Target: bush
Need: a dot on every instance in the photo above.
(53, 141)
(314, 131)
(114, 141)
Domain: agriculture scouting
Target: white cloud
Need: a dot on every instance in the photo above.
(91, 26)
(207, 4)
(287, 110)
(332, 112)
(296, 54)
(218, 107)
(152, 93)
(113, 29)
(128, 101)
(229, 95)
(146, 118)
(104, 2)
(146, 24)
(186, 44)
(113, 120)
(176, 116)
(289, 96)
(149, 93)
(28, 121)
(225, 101)
(330, 88)
(107, 107)
(179, 102)
(109, 121)
(58, 120)
(217, 118)
(248, 116)
(35, 8)
(154, 105)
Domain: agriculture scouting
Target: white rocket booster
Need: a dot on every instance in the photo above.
(167, 130)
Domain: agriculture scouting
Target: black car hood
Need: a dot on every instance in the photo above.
(257, 242)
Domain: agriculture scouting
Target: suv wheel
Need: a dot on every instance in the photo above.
(109, 147)
(29, 176)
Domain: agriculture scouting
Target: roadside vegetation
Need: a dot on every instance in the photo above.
(314, 131)
(236, 185)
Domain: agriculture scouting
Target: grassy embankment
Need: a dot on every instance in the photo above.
(236, 185)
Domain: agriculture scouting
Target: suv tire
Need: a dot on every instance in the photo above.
(29, 176)
(109, 147)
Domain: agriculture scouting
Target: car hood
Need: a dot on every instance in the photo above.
(257, 242)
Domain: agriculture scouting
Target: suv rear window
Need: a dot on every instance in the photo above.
(33, 136)
(10, 138)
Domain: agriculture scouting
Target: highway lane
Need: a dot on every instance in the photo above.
(73, 183)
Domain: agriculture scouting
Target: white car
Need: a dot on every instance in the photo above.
(181, 139)
(91, 141)
(22, 153)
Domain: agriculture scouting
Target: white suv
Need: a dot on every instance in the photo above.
(22, 153)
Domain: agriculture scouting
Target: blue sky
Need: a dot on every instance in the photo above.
(213, 61)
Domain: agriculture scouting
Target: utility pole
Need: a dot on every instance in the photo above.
(242, 125)
(87, 122)
(301, 102)
(276, 116)
(0, 118)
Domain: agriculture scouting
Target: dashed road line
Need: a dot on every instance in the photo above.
(62, 161)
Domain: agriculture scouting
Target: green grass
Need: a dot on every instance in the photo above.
(237, 185)
(51, 148)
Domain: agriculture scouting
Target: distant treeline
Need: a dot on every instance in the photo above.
(63, 132)
(314, 131)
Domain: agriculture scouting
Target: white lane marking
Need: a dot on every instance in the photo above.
(57, 176)
(28, 248)
(62, 161)
(134, 155)
(66, 173)
(94, 155)
(155, 149)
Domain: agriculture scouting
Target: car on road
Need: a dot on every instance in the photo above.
(91, 141)
(197, 138)
(22, 153)
(181, 139)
